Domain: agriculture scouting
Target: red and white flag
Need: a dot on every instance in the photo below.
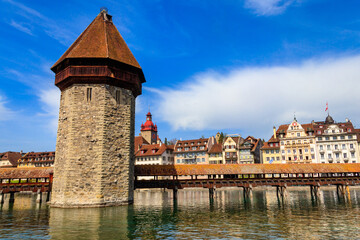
(327, 107)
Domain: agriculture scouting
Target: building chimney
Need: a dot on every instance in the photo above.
(274, 129)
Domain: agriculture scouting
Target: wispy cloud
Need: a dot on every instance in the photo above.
(268, 7)
(50, 99)
(50, 27)
(5, 112)
(21, 27)
(48, 95)
(256, 98)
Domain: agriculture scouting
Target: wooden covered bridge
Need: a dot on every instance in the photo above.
(211, 176)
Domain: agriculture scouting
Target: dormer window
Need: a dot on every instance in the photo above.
(153, 151)
(349, 129)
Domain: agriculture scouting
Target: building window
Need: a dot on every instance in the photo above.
(298, 134)
(351, 145)
(345, 155)
(342, 137)
(89, 94)
(350, 137)
(328, 147)
(117, 96)
(277, 158)
(321, 147)
(352, 155)
(267, 151)
(327, 138)
(343, 146)
(337, 155)
(334, 138)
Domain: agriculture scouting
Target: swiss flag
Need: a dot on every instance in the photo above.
(327, 107)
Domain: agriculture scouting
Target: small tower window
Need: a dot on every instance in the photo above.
(117, 96)
(89, 94)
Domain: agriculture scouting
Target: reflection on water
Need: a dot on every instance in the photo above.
(155, 215)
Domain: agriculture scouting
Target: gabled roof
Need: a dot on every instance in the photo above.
(138, 142)
(100, 39)
(152, 150)
(216, 148)
(12, 157)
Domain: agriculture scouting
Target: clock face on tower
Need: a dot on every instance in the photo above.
(153, 136)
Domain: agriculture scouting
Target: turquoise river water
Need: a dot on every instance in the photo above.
(154, 215)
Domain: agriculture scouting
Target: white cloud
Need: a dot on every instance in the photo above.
(5, 112)
(53, 29)
(268, 7)
(21, 27)
(50, 99)
(254, 99)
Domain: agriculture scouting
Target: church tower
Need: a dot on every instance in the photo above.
(99, 79)
(149, 130)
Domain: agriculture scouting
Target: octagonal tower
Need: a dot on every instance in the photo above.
(99, 79)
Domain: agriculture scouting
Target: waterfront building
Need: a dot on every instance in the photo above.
(9, 159)
(149, 130)
(155, 154)
(336, 142)
(271, 150)
(249, 150)
(297, 142)
(193, 151)
(215, 154)
(37, 159)
(99, 79)
(231, 149)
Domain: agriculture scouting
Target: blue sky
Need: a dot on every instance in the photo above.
(237, 66)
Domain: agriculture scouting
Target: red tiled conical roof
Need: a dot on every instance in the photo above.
(100, 39)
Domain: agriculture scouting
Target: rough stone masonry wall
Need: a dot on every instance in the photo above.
(94, 148)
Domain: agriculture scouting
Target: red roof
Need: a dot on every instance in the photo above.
(194, 143)
(100, 39)
(138, 142)
(149, 125)
(216, 148)
(12, 157)
(152, 150)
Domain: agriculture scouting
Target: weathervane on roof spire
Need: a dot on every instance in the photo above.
(104, 9)
(295, 117)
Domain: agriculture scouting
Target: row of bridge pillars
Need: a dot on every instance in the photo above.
(39, 197)
(281, 191)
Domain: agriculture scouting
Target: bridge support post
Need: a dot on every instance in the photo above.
(340, 190)
(314, 189)
(247, 191)
(48, 195)
(211, 193)
(12, 197)
(2, 197)
(281, 191)
(175, 192)
(39, 196)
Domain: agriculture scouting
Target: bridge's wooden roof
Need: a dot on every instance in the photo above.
(36, 172)
(220, 169)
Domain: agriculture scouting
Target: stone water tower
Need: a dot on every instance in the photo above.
(99, 79)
